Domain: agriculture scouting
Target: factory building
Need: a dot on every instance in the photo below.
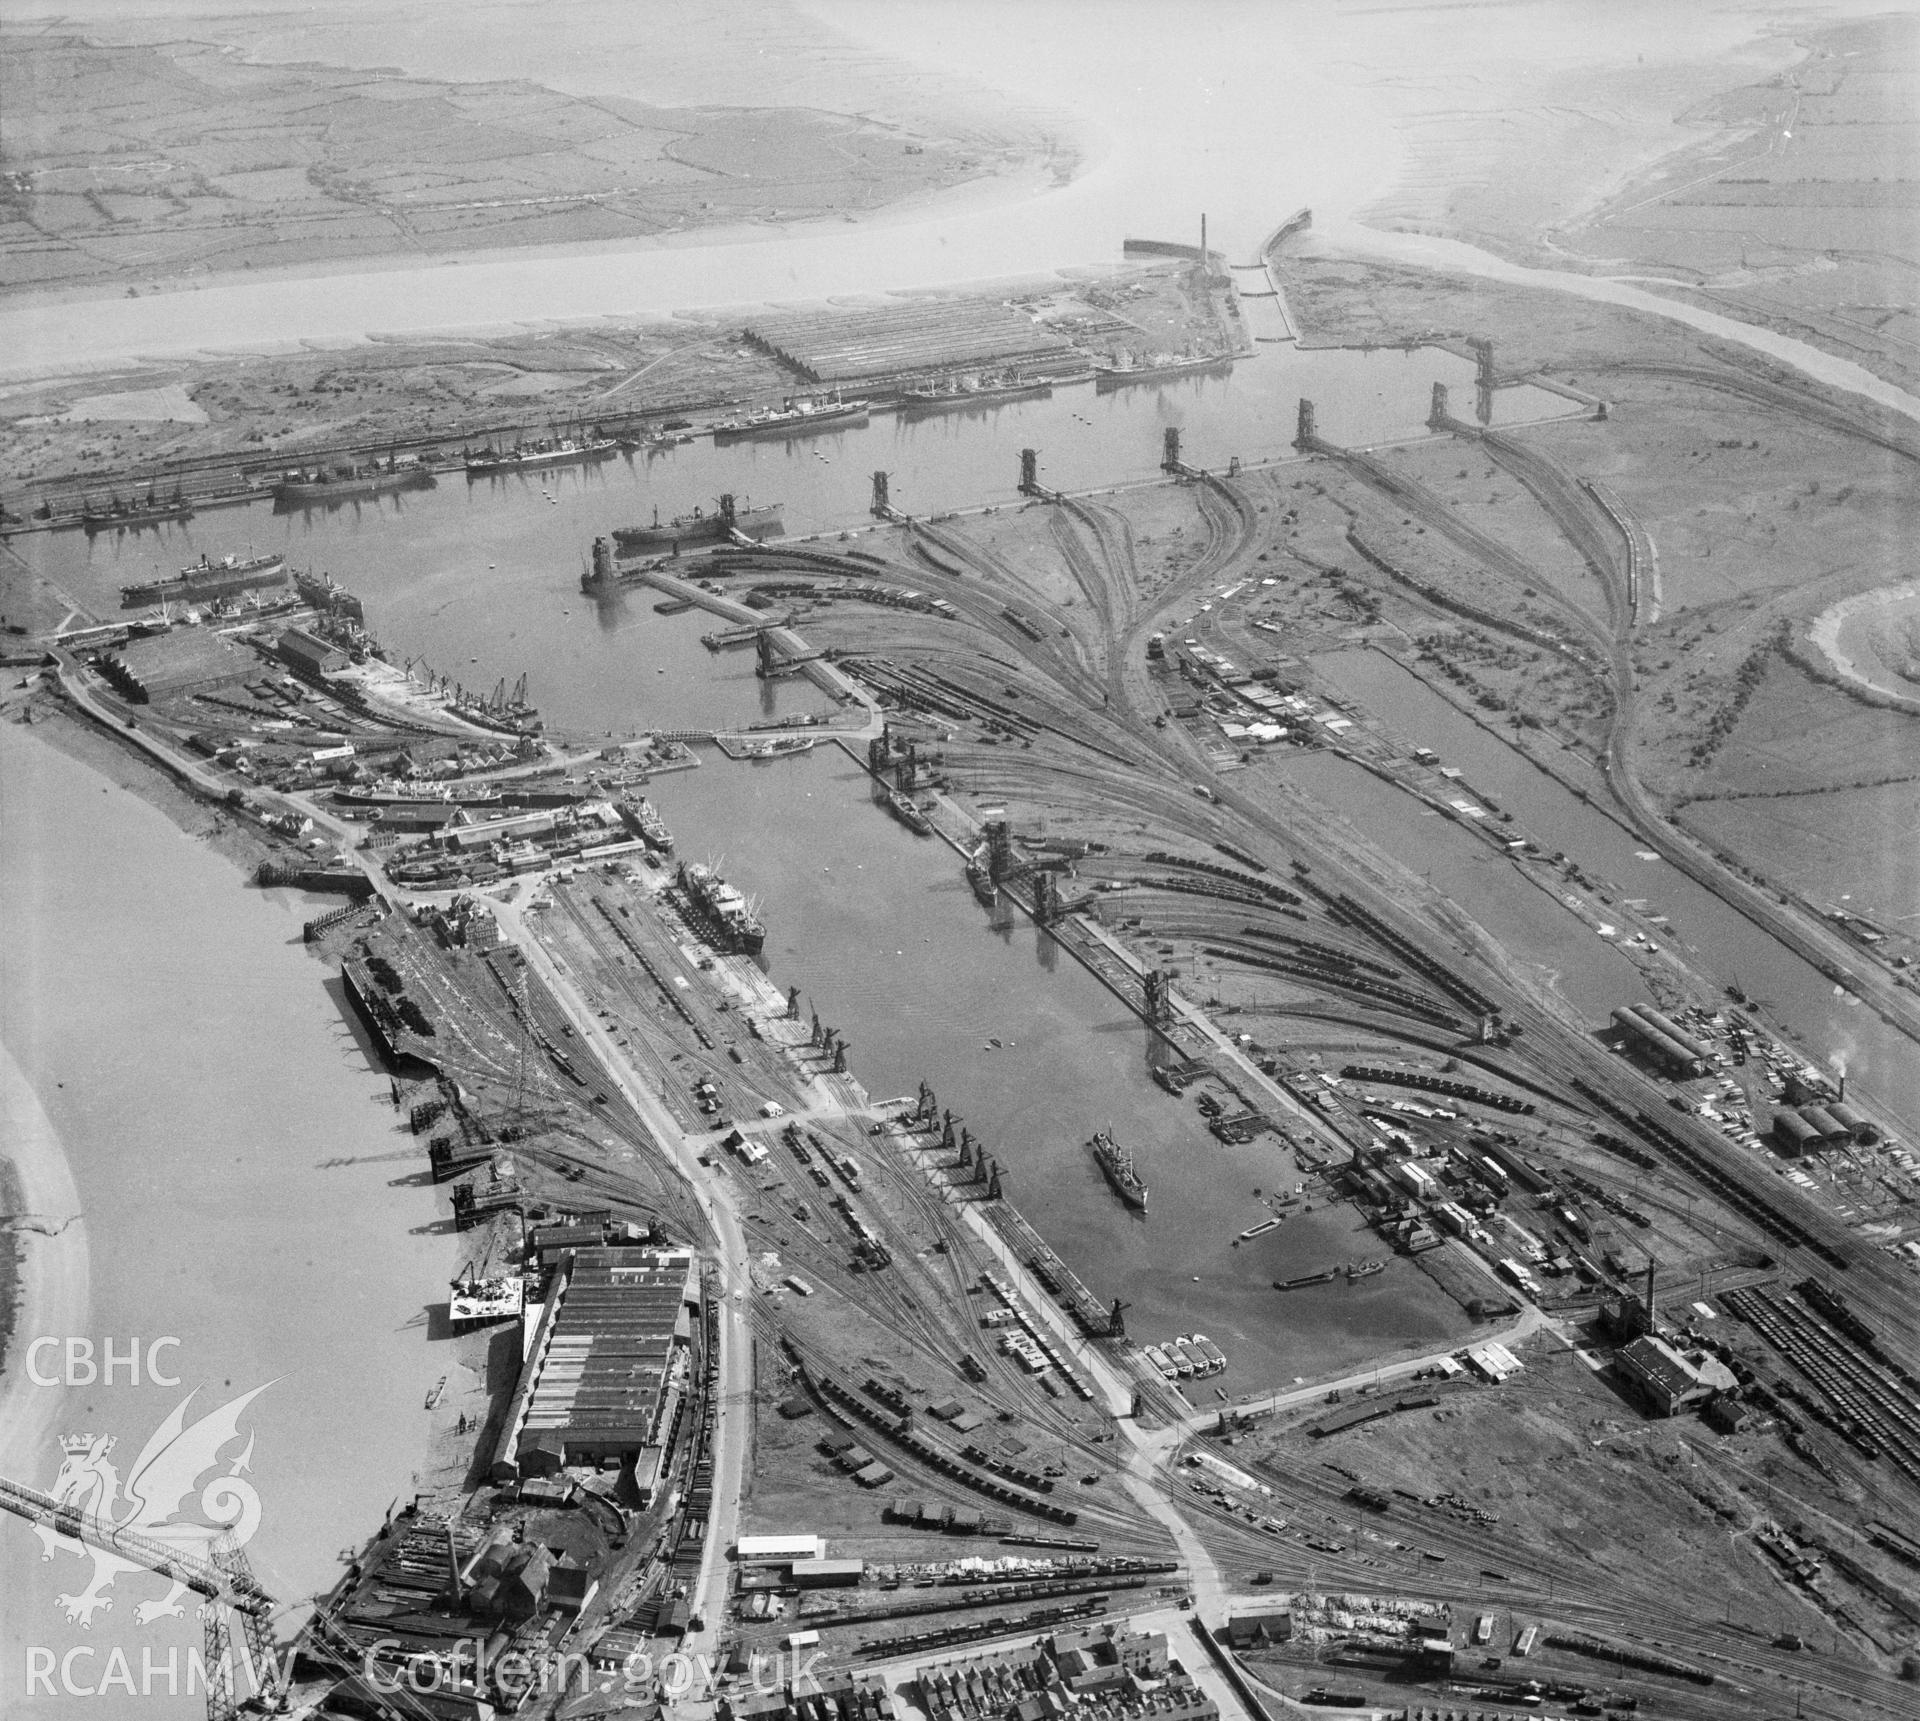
(605, 1374)
(1670, 1380)
(1825, 1125)
(1793, 1135)
(1862, 1129)
(309, 653)
(1660, 1039)
(778, 1550)
(144, 670)
(826, 1574)
(1416, 1178)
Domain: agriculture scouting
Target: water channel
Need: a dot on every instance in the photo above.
(482, 580)
(157, 979)
(1819, 1017)
(246, 1190)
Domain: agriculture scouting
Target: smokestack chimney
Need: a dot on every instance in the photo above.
(1842, 1094)
(1650, 1303)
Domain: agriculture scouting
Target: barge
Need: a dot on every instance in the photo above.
(1306, 1279)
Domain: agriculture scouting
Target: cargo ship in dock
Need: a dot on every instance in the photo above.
(562, 451)
(981, 880)
(309, 487)
(975, 392)
(719, 911)
(796, 418)
(318, 591)
(903, 809)
(207, 579)
(1160, 368)
(120, 516)
(640, 818)
(1123, 1177)
(699, 528)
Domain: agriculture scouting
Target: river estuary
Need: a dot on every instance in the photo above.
(244, 1188)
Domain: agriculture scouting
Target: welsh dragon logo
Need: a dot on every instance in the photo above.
(157, 1491)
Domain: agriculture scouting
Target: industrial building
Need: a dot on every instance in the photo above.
(826, 1574)
(1808, 1128)
(778, 1550)
(606, 1370)
(144, 670)
(1663, 1040)
(309, 653)
(1862, 1129)
(1669, 1380)
(1793, 1135)
(1492, 1361)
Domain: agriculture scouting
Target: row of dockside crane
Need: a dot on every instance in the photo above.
(1798, 1130)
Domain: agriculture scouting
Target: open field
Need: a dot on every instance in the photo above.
(1857, 848)
(114, 174)
(1763, 504)
(1800, 211)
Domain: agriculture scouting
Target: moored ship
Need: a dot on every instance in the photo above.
(1216, 1357)
(796, 418)
(1305, 1279)
(1122, 1175)
(982, 881)
(903, 809)
(125, 516)
(975, 391)
(208, 579)
(560, 451)
(640, 818)
(302, 487)
(1159, 368)
(721, 912)
(698, 527)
